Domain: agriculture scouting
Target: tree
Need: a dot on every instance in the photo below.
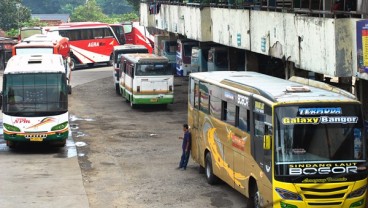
(52, 6)
(88, 12)
(115, 6)
(12, 13)
(135, 4)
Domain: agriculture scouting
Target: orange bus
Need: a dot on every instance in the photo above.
(46, 44)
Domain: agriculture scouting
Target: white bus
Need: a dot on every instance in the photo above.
(146, 79)
(118, 51)
(35, 100)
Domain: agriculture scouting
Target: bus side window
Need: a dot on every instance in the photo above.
(196, 95)
(215, 107)
(131, 70)
(259, 124)
(229, 113)
(243, 119)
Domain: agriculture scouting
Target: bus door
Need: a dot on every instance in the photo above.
(262, 126)
(129, 77)
(196, 137)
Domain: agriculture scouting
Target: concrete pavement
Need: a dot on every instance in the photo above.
(38, 177)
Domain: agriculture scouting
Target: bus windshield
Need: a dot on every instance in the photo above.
(39, 94)
(153, 69)
(320, 134)
(31, 51)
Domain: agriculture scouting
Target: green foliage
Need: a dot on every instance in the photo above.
(35, 22)
(135, 4)
(13, 33)
(67, 6)
(88, 12)
(12, 13)
(124, 17)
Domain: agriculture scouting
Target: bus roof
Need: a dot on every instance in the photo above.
(34, 45)
(43, 38)
(35, 64)
(275, 89)
(129, 46)
(145, 58)
(72, 25)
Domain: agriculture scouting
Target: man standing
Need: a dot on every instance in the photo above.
(187, 139)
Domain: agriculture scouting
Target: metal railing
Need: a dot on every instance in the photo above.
(321, 8)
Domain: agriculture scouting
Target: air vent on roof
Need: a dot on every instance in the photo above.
(34, 61)
(297, 88)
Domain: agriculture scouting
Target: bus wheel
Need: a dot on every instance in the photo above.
(60, 143)
(211, 178)
(110, 62)
(132, 105)
(72, 64)
(254, 198)
(117, 89)
(201, 169)
(10, 144)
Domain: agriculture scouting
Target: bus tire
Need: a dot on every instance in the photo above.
(69, 89)
(60, 143)
(10, 144)
(110, 62)
(201, 169)
(117, 89)
(132, 105)
(253, 200)
(211, 178)
(72, 64)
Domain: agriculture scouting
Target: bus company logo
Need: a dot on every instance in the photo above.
(259, 107)
(243, 100)
(322, 169)
(43, 122)
(22, 120)
(320, 120)
(320, 111)
(229, 95)
(93, 44)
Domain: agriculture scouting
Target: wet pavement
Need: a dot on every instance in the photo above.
(40, 175)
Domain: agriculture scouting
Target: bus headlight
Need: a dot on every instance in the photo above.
(358, 192)
(11, 128)
(288, 195)
(60, 126)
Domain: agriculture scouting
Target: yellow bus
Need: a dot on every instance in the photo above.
(281, 143)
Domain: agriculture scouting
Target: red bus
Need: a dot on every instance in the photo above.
(90, 42)
(39, 44)
(119, 32)
(138, 35)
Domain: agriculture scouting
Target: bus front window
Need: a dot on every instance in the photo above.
(310, 134)
(35, 94)
(153, 70)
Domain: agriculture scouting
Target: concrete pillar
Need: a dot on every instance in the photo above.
(251, 62)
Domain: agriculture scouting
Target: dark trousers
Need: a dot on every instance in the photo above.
(184, 159)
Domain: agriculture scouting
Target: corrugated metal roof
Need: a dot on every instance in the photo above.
(62, 17)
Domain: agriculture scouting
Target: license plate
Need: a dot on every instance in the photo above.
(36, 139)
(154, 100)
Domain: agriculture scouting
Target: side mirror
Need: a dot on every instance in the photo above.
(267, 142)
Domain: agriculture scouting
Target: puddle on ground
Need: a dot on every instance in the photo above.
(75, 118)
(80, 144)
